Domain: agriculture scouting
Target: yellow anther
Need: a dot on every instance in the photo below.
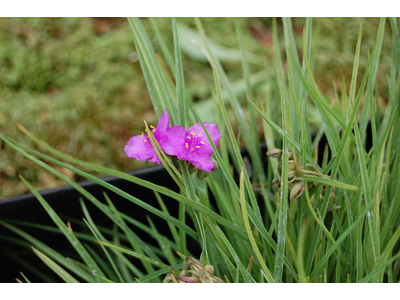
(145, 140)
(187, 145)
(151, 126)
(154, 130)
(189, 137)
(141, 135)
(192, 133)
(197, 146)
(202, 143)
(199, 135)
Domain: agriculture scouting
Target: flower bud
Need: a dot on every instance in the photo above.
(209, 269)
(190, 261)
(192, 168)
(183, 279)
(291, 165)
(276, 185)
(291, 174)
(202, 174)
(193, 272)
(170, 278)
(275, 152)
(291, 155)
(216, 166)
(297, 190)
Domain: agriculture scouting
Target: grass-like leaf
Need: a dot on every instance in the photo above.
(283, 203)
(249, 232)
(137, 255)
(50, 252)
(330, 182)
(26, 279)
(55, 267)
(91, 264)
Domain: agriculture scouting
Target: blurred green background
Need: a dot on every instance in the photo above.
(76, 82)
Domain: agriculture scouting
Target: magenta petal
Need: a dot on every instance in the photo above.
(162, 127)
(174, 141)
(140, 148)
(203, 162)
(212, 130)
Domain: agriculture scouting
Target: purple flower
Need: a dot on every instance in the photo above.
(192, 145)
(139, 146)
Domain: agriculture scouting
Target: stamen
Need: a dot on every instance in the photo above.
(154, 130)
(151, 126)
(189, 137)
(187, 145)
(145, 140)
(199, 135)
(202, 143)
(197, 146)
(192, 133)
(141, 135)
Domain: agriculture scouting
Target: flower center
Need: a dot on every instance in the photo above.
(145, 136)
(193, 142)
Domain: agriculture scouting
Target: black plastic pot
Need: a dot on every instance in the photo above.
(64, 201)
